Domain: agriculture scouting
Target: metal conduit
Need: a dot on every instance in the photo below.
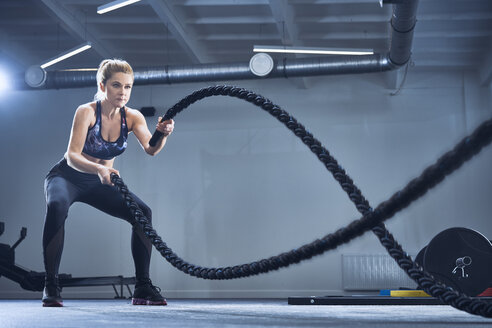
(402, 25)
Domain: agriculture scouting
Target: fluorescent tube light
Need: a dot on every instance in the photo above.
(80, 70)
(114, 5)
(312, 51)
(67, 54)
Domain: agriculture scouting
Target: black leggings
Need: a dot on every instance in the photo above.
(63, 186)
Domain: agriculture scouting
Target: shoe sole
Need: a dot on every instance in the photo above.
(52, 304)
(142, 301)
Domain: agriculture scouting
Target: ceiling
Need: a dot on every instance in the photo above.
(450, 34)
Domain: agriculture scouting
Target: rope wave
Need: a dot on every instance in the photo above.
(370, 219)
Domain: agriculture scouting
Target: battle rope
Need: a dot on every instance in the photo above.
(371, 219)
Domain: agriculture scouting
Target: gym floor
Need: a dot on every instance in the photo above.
(227, 313)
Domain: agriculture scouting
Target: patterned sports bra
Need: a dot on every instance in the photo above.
(97, 147)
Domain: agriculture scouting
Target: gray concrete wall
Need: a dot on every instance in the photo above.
(233, 185)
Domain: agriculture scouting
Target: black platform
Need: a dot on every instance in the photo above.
(366, 300)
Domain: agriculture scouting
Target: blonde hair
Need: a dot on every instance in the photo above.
(106, 69)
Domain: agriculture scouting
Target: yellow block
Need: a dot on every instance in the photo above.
(408, 293)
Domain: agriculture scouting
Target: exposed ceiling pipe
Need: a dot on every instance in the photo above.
(231, 71)
(402, 25)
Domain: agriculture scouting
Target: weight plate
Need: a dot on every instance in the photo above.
(461, 258)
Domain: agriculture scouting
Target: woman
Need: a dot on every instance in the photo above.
(99, 132)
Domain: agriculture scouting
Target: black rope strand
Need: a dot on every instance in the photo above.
(415, 189)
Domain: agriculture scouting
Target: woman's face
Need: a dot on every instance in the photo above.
(118, 89)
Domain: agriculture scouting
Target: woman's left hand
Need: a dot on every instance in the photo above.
(165, 127)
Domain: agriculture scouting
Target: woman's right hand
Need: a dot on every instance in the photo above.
(104, 174)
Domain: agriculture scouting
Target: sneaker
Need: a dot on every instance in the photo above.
(51, 296)
(147, 294)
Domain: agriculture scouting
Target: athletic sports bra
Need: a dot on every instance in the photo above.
(97, 147)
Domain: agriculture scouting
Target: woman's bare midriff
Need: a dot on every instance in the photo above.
(105, 162)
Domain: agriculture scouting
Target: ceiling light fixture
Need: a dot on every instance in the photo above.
(67, 54)
(114, 5)
(79, 70)
(312, 51)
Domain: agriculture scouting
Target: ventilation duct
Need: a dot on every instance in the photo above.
(402, 25)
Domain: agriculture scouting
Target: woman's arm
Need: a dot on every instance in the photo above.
(81, 123)
(139, 127)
